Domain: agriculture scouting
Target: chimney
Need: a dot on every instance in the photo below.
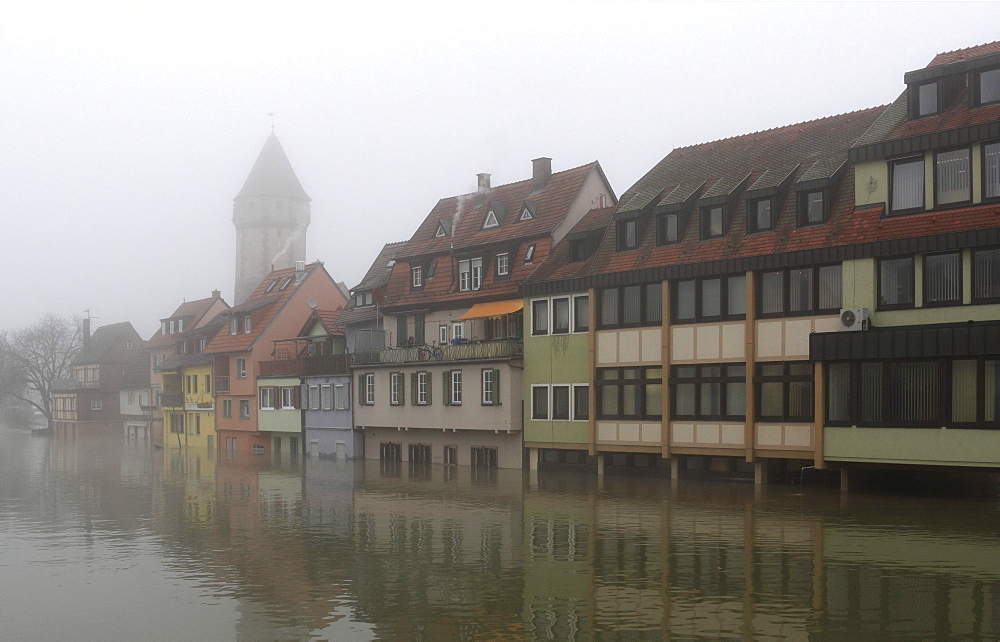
(300, 270)
(541, 170)
(86, 333)
(216, 294)
(484, 183)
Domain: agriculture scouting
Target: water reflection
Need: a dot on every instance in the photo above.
(206, 546)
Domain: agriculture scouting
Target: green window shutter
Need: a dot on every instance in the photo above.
(446, 387)
(413, 388)
(361, 389)
(429, 379)
(496, 387)
(402, 389)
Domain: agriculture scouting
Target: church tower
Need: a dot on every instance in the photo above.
(271, 214)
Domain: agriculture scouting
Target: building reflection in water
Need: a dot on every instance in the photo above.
(327, 547)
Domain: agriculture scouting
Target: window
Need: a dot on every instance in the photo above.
(451, 455)
(540, 402)
(628, 234)
(886, 393)
(366, 389)
(314, 398)
(288, 399)
(362, 299)
(340, 396)
(975, 392)
(176, 424)
(560, 402)
(477, 273)
(208, 384)
(443, 334)
(800, 291)
(422, 388)
(96, 404)
(244, 408)
(325, 394)
(713, 222)
(630, 393)
(234, 326)
(266, 398)
(560, 315)
(709, 392)
(907, 180)
(926, 96)
(539, 317)
(491, 386)
(709, 299)
(164, 327)
(458, 330)
(942, 279)
(581, 402)
(630, 306)
(985, 275)
(503, 264)
(416, 276)
(760, 215)
(784, 391)
(453, 387)
(991, 171)
(526, 214)
(668, 229)
(952, 176)
(491, 220)
(470, 274)
(812, 208)
(418, 329)
(440, 231)
(396, 389)
(241, 368)
(581, 313)
(172, 322)
(579, 250)
(246, 324)
(201, 345)
(227, 408)
(529, 255)
(895, 283)
(987, 86)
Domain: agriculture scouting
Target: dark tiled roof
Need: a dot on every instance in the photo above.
(378, 273)
(557, 265)
(107, 344)
(192, 313)
(272, 174)
(137, 372)
(175, 361)
(956, 114)
(949, 57)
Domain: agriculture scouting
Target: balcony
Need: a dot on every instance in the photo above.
(222, 385)
(171, 400)
(326, 364)
(470, 351)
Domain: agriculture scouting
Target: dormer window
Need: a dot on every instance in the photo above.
(246, 324)
(234, 326)
(201, 345)
(952, 182)
(986, 86)
(628, 235)
(503, 264)
(442, 230)
(530, 254)
(287, 282)
(363, 298)
(172, 326)
(416, 276)
(272, 286)
(926, 100)
(760, 215)
(180, 325)
(164, 327)
(491, 220)
(527, 212)
(578, 250)
(668, 229)
(812, 207)
(430, 269)
(906, 177)
(713, 224)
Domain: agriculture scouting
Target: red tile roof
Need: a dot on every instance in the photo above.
(957, 114)
(949, 57)
(191, 312)
(557, 265)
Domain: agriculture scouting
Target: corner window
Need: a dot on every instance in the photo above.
(895, 283)
(907, 180)
(991, 171)
(760, 215)
(952, 182)
(540, 317)
(988, 87)
(668, 229)
(416, 276)
(709, 299)
(503, 264)
(812, 208)
(628, 235)
(713, 222)
(986, 276)
(942, 279)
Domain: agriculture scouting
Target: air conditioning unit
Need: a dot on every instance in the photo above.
(852, 319)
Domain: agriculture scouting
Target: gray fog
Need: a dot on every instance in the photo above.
(127, 129)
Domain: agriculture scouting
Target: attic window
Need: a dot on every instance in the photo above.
(271, 287)
(812, 207)
(246, 324)
(760, 215)
(491, 220)
(713, 222)
(668, 229)
(526, 215)
(578, 250)
(430, 269)
(361, 299)
(233, 326)
(440, 231)
(988, 87)
(628, 235)
(530, 254)
(287, 282)
(925, 98)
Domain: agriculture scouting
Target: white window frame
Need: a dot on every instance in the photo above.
(477, 273)
(548, 402)
(246, 324)
(369, 388)
(326, 396)
(529, 255)
(234, 326)
(455, 387)
(572, 401)
(241, 368)
(422, 387)
(340, 396)
(457, 330)
(443, 334)
(266, 398)
(416, 276)
(489, 383)
(96, 404)
(287, 398)
(395, 381)
(503, 264)
(314, 397)
(464, 275)
(569, 401)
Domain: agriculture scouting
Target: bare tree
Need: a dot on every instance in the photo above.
(34, 358)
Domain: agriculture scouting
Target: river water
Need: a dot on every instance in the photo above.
(104, 539)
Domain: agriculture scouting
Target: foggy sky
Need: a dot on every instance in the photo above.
(126, 131)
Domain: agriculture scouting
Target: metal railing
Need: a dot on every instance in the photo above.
(313, 365)
(470, 351)
(171, 400)
(222, 384)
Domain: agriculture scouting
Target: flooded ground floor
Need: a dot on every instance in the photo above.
(107, 537)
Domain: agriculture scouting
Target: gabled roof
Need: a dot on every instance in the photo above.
(192, 312)
(107, 345)
(327, 319)
(593, 226)
(466, 212)
(264, 306)
(272, 174)
(378, 272)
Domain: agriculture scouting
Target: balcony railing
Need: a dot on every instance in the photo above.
(171, 400)
(222, 384)
(325, 364)
(471, 351)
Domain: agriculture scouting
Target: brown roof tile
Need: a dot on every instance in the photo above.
(949, 57)
(191, 312)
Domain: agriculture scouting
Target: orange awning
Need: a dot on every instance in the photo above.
(493, 309)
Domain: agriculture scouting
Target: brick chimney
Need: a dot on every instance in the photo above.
(86, 333)
(541, 171)
(216, 294)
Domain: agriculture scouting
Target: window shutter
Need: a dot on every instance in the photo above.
(297, 397)
(302, 396)
(361, 390)
(428, 385)
(446, 392)
(413, 388)
(496, 387)
(402, 389)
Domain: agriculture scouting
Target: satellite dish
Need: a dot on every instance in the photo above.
(312, 303)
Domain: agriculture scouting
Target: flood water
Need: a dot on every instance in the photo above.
(102, 539)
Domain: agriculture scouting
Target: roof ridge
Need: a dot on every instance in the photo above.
(781, 127)
(524, 180)
(961, 49)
